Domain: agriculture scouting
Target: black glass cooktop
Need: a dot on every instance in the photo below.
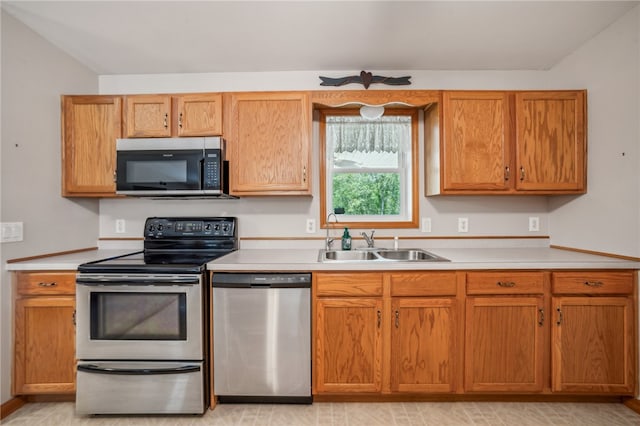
(144, 262)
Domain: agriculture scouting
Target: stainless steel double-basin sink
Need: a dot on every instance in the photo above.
(379, 255)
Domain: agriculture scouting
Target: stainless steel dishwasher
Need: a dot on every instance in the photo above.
(262, 337)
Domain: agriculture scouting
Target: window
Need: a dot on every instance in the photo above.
(368, 168)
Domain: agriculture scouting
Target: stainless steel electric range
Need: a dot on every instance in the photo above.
(142, 320)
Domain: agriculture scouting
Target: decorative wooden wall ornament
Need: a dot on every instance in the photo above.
(366, 79)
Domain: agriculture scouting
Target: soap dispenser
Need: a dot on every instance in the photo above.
(346, 240)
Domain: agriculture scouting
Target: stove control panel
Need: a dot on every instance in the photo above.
(175, 227)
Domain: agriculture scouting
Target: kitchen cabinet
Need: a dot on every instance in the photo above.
(348, 332)
(44, 333)
(425, 332)
(198, 114)
(268, 142)
(594, 332)
(382, 333)
(90, 127)
(502, 142)
(505, 332)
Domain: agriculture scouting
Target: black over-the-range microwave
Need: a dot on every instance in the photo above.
(171, 167)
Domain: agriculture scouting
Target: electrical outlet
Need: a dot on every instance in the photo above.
(463, 224)
(311, 226)
(120, 226)
(426, 224)
(534, 224)
(12, 232)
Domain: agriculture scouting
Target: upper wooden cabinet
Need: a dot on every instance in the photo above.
(550, 146)
(506, 142)
(179, 115)
(90, 127)
(476, 149)
(268, 142)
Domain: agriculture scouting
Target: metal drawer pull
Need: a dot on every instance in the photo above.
(379, 318)
(559, 316)
(397, 319)
(521, 173)
(180, 121)
(507, 173)
(506, 284)
(51, 284)
(594, 283)
(541, 320)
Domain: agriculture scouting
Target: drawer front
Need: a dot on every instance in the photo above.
(424, 284)
(585, 282)
(46, 283)
(505, 282)
(348, 284)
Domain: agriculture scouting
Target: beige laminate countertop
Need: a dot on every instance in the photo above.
(307, 260)
(460, 259)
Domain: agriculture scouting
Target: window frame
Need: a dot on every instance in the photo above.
(412, 212)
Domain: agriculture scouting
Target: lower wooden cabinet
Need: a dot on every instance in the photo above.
(594, 333)
(386, 332)
(504, 344)
(44, 333)
(349, 345)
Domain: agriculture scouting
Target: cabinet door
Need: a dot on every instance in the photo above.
(44, 346)
(476, 141)
(593, 345)
(147, 116)
(269, 142)
(348, 345)
(550, 141)
(423, 345)
(504, 348)
(90, 127)
(199, 114)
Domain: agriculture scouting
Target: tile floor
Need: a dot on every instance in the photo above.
(352, 414)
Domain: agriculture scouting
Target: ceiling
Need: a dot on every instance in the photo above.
(149, 37)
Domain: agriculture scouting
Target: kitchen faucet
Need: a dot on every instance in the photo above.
(329, 241)
(369, 239)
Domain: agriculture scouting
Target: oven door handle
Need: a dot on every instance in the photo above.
(147, 279)
(91, 368)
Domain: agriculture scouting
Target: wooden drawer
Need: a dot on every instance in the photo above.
(423, 284)
(505, 282)
(46, 283)
(585, 282)
(349, 284)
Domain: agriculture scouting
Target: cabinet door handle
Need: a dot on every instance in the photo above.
(166, 120)
(73, 318)
(506, 284)
(379, 319)
(521, 173)
(594, 283)
(541, 317)
(180, 120)
(397, 319)
(51, 284)
(115, 176)
(559, 316)
(507, 173)
(304, 174)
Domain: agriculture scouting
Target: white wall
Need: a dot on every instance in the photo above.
(34, 75)
(607, 218)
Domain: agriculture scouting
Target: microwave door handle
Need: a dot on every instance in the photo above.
(92, 368)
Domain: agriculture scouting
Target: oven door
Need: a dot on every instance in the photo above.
(159, 166)
(144, 317)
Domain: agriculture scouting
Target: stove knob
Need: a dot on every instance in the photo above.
(225, 227)
(160, 227)
(152, 228)
(207, 227)
(216, 227)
